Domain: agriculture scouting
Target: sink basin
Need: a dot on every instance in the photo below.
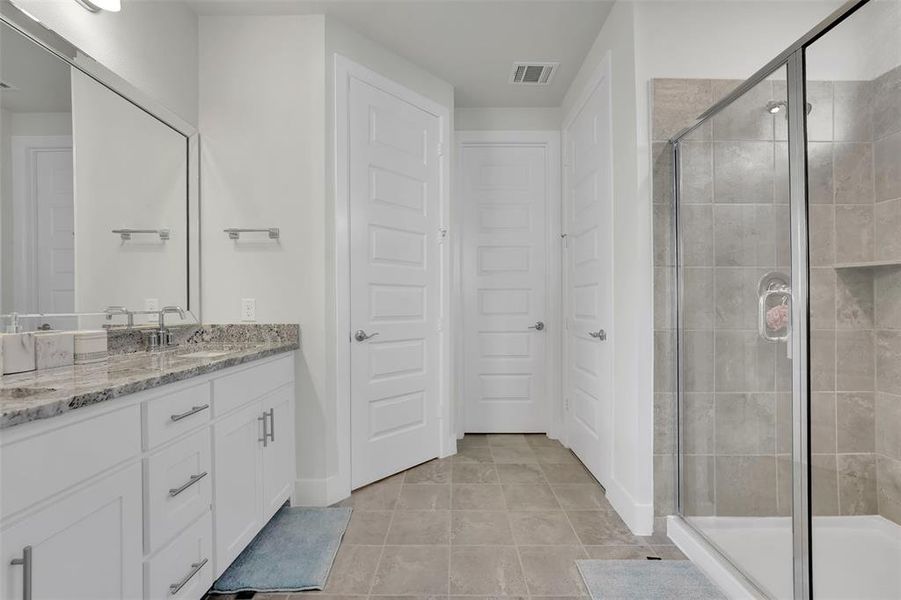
(20, 393)
(203, 354)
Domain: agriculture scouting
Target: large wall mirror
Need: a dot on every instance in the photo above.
(98, 190)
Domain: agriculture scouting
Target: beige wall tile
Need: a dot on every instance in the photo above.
(822, 236)
(697, 292)
(888, 362)
(744, 362)
(853, 173)
(854, 299)
(888, 473)
(744, 118)
(888, 229)
(696, 172)
(857, 484)
(853, 233)
(855, 364)
(855, 422)
(699, 494)
(887, 103)
(697, 361)
(823, 484)
(888, 425)
(822, 298)
(822, 360)
(662, 166)
(697, 236)
(743, 172)
(853, 111)
(887, 164)
(746, 485)
(676, 103)
(698, 424)
(745, 424)
(822, 422)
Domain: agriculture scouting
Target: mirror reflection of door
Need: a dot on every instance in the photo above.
(36, 174)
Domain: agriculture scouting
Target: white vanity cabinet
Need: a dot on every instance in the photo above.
(150, 496)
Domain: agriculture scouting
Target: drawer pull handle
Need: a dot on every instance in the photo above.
(194, 479)
(195, 568)
(194, 410)
(25, 562)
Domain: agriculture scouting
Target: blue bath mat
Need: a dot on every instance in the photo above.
(294, 552)
(641, 580)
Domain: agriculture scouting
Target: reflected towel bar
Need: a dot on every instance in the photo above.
(234, 233)
(127, 233)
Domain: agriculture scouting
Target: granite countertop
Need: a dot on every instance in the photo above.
(43, 394)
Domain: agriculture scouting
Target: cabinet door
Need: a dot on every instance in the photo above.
(278, 452)
(86, 545)
(237, 440)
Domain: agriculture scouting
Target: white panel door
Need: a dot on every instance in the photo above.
(55, 230)
(505, 195)
(588, 289)
(394, 179)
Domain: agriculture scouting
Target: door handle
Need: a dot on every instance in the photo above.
(195, 568)
(362, 336)
(271, 413)
(600, 334)
(26, 562)
(191, 481)
(539, 326)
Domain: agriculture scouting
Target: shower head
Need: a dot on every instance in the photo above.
(774, 107)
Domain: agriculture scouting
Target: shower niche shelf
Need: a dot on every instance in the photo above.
(872, 264)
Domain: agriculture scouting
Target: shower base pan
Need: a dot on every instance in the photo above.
(854, 558)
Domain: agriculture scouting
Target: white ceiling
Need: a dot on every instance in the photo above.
(41, 81)
(470, 44)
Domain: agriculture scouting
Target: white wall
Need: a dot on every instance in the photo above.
(262, 118)
(153, 45)
(130, 172)
(507, 119)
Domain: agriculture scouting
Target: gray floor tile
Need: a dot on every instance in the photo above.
(567, 473)
(514, 473)
(551, 570)
(424, 496)
(535, 496)
(514, 454)
(600, 528)
(480, 528)
(419, 528)
(474, 473)
(413, 570)
(353, 570)
(581, 496)
(475, 496)
(435, 471)
(486, 570)
(367, 527)
(542, 528)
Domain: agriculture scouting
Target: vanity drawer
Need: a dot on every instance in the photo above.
(175, 413)
(249, 384)
(42, 465)
(186, 562)
(178, 487)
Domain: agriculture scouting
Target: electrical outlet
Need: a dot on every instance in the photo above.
(151, 304)
(248, 309)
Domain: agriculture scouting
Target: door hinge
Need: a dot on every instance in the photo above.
(563, 237)
(440, 149)
(566, 404)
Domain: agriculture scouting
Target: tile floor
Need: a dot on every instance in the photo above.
(508, 515)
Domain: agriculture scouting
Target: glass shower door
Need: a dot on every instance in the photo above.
(734, 234)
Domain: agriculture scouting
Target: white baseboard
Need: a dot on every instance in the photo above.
(708, 560)
(639, 517)
(318, 492)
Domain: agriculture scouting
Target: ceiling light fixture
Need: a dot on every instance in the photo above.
(98, 5)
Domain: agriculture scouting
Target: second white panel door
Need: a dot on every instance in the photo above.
(395, 278)
(505, 194)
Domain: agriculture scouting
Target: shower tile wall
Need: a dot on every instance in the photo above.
(737, 409)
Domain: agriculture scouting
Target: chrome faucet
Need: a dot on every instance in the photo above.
(162, 337)
(120, 310)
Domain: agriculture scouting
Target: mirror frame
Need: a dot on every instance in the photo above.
(54, 43)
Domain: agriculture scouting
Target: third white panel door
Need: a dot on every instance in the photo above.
(588, 207)
(394, 282)
(505, 193)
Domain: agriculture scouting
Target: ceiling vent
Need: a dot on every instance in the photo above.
(533, 73)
